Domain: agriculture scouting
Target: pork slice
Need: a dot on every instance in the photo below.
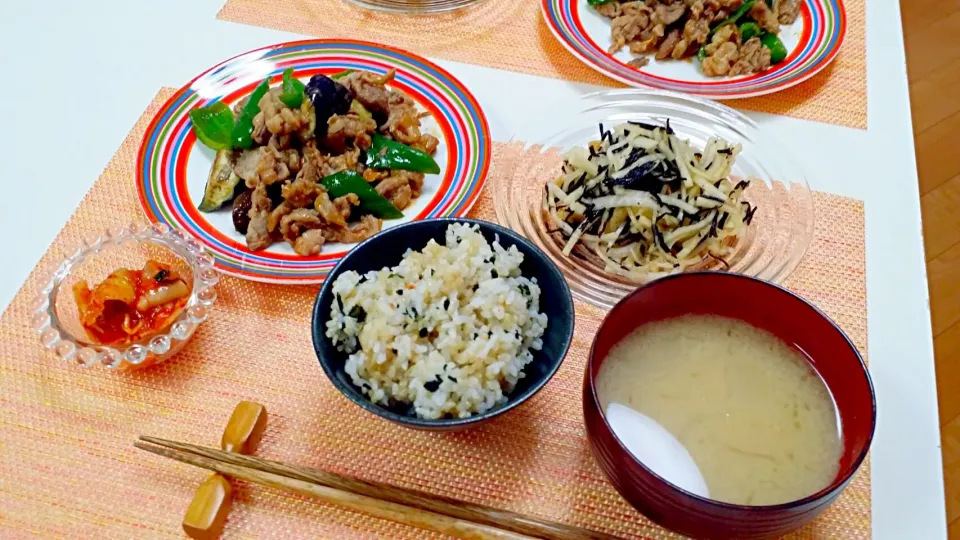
(348, 130)
(328, 211)
(666, 47)
(369, 89)
(309, 243)
(627, 28)
(667, 14)
(753, 57)
(258, 233)
(367, 227)
(788, 11)
(261, 165)
(765, 17)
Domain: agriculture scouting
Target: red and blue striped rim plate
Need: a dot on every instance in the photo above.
(823, 22)
(169, 140)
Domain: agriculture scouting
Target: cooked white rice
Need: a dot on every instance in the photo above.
(447, 331)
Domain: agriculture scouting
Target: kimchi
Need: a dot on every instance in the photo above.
(130, 305)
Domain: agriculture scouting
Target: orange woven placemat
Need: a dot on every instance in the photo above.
(511, 35)
(68, 467)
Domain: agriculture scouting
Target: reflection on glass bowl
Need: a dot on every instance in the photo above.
(55, 316)
(775, 241)
(414, 6)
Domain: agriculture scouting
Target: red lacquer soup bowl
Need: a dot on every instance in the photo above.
(762, 305)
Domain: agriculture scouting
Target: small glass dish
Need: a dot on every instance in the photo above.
(774, 243)
(55, 316)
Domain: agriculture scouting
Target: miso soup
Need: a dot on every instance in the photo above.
(753, 414)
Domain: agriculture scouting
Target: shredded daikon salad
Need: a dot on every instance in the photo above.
(647, 204)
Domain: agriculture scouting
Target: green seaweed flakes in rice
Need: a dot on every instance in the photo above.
(448, 330)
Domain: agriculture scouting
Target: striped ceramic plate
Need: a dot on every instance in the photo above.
(812, 42)
(172, 166)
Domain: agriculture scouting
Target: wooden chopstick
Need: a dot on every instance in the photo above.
(441, 514)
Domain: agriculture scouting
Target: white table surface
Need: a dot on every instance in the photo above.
(79, 74)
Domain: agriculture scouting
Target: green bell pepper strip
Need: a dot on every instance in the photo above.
(777, 50)
(341, 74)
(243, 128)
(598, 2)
(735, 16)
(213, 125)
(702, 53)
(385, 153)
(371, 202)
(292, 90)
(749, 30)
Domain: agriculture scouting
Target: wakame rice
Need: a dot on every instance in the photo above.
(447, 331)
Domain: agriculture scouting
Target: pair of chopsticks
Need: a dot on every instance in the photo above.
(409, 507)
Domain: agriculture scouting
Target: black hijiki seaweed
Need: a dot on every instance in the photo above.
(577, 183)
(595, 191)
(721, 259)
(591, 219)
(713, 226)
(725, 151)
(636, 154)
(604, 134)
(648, 127)
(751, 210)
(742, 184)
(651, 177)
(621, 149)
(658, 236)
(629, 238)
(597, 226)
(638, 178)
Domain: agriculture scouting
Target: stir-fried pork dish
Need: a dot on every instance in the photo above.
(727, 37)
(315, 163)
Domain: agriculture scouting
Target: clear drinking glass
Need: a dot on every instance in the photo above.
(776, 240)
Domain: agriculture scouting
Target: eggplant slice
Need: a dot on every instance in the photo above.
(222, 184)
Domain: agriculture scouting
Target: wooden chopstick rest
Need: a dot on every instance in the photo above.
(207, 513)
(245, 428)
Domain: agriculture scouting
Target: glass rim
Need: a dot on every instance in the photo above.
(54, 336)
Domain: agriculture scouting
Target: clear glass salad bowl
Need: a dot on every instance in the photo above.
(775, 241)
(56, 318)
(416, 7)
